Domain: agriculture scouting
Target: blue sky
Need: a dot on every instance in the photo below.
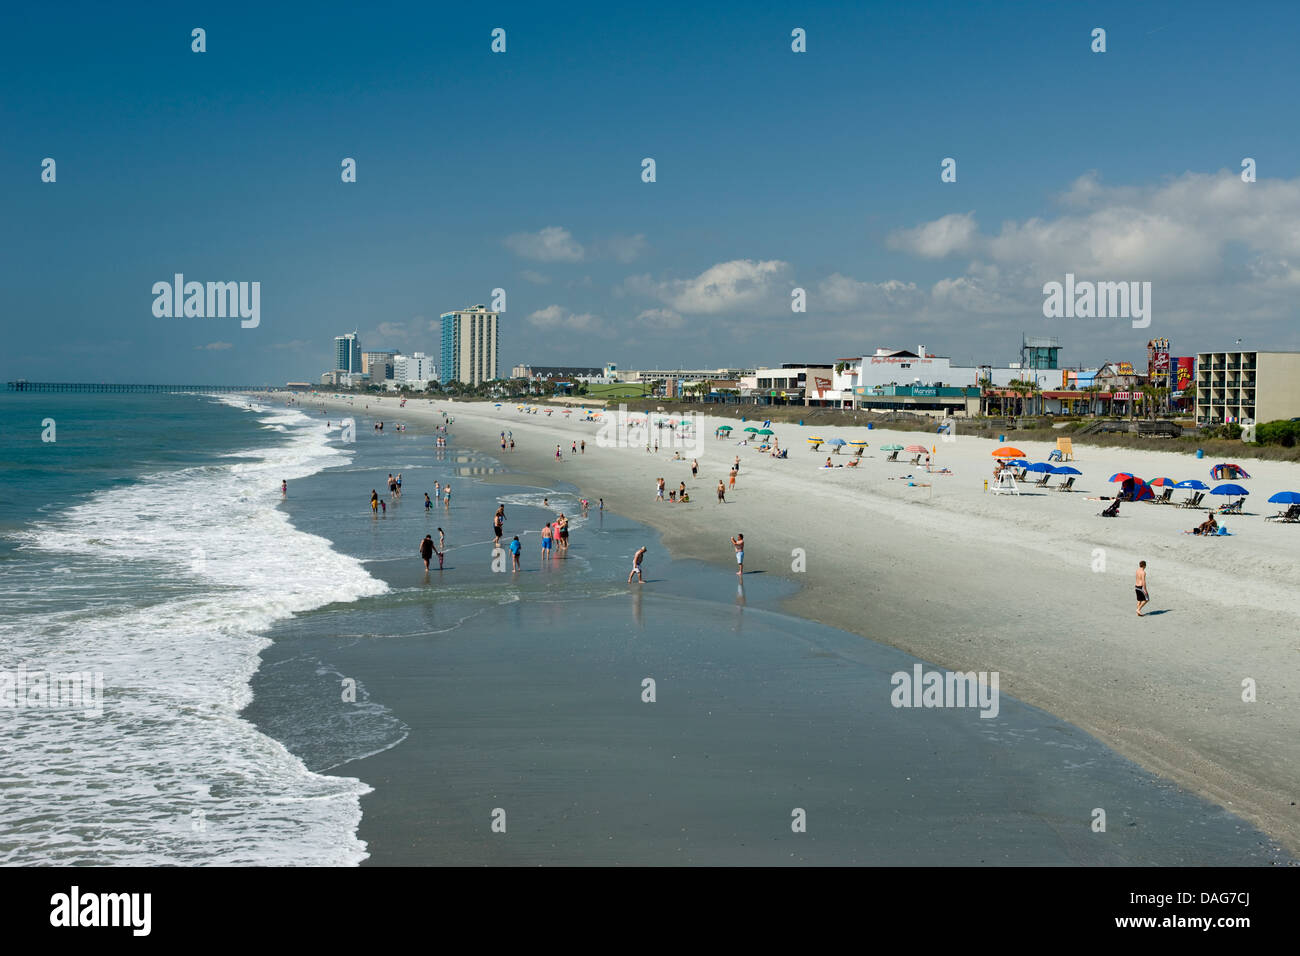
(522, 170)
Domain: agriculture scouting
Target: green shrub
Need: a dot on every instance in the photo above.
(1285, 433)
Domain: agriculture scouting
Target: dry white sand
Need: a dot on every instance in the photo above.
(1036, 587)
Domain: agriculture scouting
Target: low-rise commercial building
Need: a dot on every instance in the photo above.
(1236, 387)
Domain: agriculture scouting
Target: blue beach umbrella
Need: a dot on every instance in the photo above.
(1193, 484)
(1286, 498)
(1018, 463)
(836, 441)
(1066, 470)
(1230, 489)
(1038, 466)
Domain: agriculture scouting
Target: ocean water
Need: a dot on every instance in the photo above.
(283, 683)
(146, 544)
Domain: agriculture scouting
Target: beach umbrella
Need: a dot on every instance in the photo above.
(815, 441)
(1018, 463)
(1065, 470)
(1286, 498)
(1039, 466)
(724, 428)
(837, 442)
(891, 447)
(1141, 491)
(496, 404)
(1193, 484)
(1230, 489)
(1006, 451)
(917, 450)
(1161, 482)
(858, 444)
(1123, 476)
(751, 428)
(1228, 470)
(767, 431)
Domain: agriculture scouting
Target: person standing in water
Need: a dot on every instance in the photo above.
(426, 550)
(284, 488)
(514, 552)
(428, 505)
(442, 541)
(446, 496)
(738, 542)
(374, 502)
(498, 520)
(636, 566)
(546, 541)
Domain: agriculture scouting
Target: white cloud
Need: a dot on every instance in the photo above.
(951, 234)
(214, 347)
(552, 244)
(660, 319)
(554, 317)
(624, 249)
(725, 287)
(535, 277)
(839, 292)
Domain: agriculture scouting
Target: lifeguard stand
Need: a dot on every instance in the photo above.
(1066, 447)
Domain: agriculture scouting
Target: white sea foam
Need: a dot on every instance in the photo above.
(174, 580)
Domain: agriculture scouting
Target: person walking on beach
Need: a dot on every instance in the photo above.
(1143, 595)
(722, 492)
(442, 544)
(514, 552)
(426, 550)
(636, 567)
(497, 521)
(738, 542)
(659, 490)
(399, 484)
(695, 467)
(582, 448)
(573, 449)
(437, 491)
(557, 453)
(731, 484)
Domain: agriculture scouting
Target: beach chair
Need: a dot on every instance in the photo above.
(1020, 475)
(893, 456)
(817, 447)
(1069, 484)
(916, 460)
(1234, 508)
(1042, 482)
(1111, 511)
(1165, 497)
(1194, 501)
(1290, 516)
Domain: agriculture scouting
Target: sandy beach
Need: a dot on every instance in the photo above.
(1033, 586)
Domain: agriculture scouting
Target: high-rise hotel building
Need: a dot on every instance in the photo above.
(470, 346)
(347, 353)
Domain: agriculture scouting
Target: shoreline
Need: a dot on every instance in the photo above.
(1169, 700)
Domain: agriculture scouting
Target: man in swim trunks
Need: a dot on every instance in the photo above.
(546, 541)
(722, 492)
(497, 521)
(636, 567)
(1140, 586)
(739, 543)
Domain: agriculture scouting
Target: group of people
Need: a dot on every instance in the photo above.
(675, 495)
(510, 437)
(428, 549)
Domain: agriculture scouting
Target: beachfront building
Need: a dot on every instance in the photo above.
(347, 353)
(470, 345)
(790, 384)
(1236, 387)
(378, 365)
(659, 376)
(940, 401)
(415, 370)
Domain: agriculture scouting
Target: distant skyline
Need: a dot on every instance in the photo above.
(522, 170)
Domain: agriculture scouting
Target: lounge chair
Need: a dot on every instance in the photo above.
(1111, 510)
(893, 456)
(916, 460)
(1042, 482)
(817, 447)
(1020, 475)
(1165, 496)
(1290, 516)
(1233, 508)
(1068, 486)
(1194, 501)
